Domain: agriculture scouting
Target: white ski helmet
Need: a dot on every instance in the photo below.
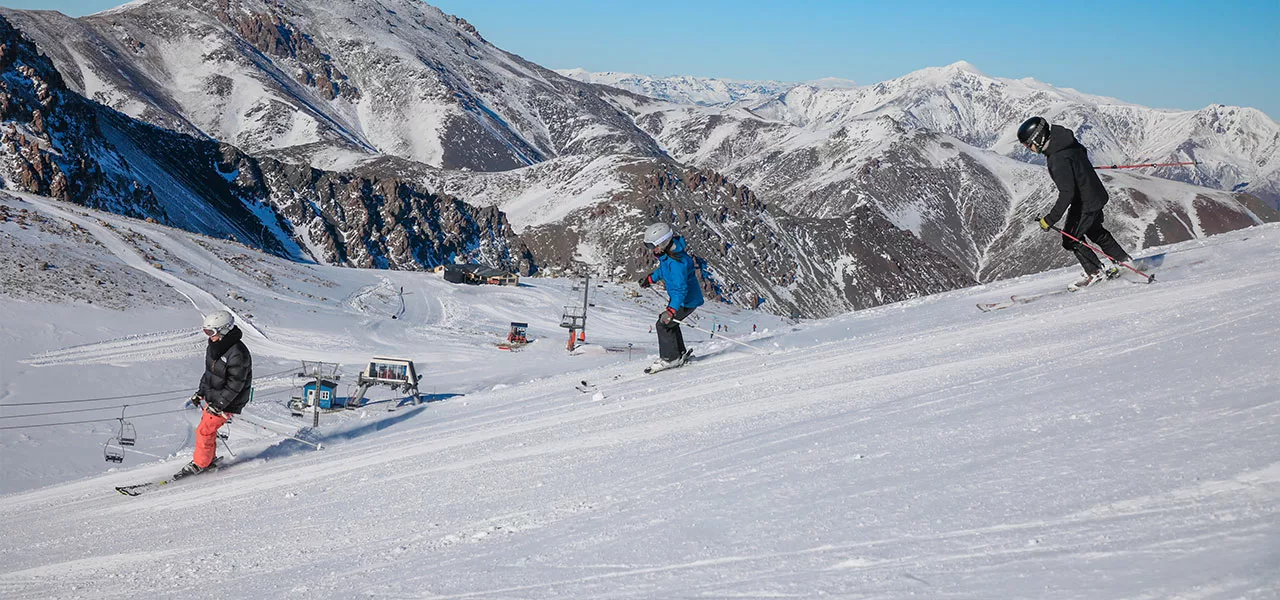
(219, 322)
(657, 235)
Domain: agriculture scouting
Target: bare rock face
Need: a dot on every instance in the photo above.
(92, 155)
(275, 35)
(45, 142)
(748, 252)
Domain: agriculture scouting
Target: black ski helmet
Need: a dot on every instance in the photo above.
(1034, 134)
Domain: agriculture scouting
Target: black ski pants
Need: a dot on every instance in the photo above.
(670, 339)
(1089, 226)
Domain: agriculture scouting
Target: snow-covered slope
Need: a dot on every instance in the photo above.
(1119, 442)
(77, 283)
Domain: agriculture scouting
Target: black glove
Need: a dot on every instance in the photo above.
(667, 315)
(644, 282)
(196, 400)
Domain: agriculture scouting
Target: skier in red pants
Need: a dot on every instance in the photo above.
(224, 388)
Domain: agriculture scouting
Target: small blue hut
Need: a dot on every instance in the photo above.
(328, 395)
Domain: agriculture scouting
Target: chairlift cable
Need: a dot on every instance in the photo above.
(129, 396)
(163, 412)
(80, 410)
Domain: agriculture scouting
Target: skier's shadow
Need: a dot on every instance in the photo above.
(365, 429)
(398, 402)
(291, 447)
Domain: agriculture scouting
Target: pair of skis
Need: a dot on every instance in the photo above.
(1144, 263)
(1015, 300)
(141, 488)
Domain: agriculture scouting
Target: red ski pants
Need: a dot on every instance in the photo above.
(207, 438)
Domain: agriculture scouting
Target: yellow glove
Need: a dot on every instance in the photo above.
(1043, 224)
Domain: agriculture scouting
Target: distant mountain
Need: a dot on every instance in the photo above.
(332, 80)
(387, 134)
(394, 212)
(705, 91)
(934, 152)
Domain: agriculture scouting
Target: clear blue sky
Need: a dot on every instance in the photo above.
(1173, 54)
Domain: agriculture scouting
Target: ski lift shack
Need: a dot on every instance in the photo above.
(326, 395)
(517, 333)
(399, 374)
(319, 391)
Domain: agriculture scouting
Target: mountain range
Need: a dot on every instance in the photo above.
(388, 134)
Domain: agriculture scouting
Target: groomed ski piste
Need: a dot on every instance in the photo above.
(1119, 442)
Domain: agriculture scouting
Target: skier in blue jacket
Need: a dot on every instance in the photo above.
(676, 269)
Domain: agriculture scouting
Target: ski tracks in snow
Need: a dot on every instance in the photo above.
(180, 343)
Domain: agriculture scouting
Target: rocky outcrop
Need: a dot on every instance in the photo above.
(56, 143)
(275, 35)
(748, 252)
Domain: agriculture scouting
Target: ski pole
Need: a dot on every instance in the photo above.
(724, 337)
(1177, 164)
(711, 332)
(1149, 278)
(295, 438)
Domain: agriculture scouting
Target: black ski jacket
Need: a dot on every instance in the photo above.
(228, 373)
(1072, 172)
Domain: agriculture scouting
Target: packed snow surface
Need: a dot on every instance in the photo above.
(1121, 442)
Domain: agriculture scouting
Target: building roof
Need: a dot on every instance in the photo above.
(479, 270)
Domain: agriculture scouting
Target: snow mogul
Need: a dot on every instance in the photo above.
(1081, 196)
(677, 271)
(224, 387)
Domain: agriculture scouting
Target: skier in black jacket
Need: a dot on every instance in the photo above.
(224, 387)
(1081, 196)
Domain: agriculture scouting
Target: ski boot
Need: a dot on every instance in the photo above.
(1086, 281)
(193, 469)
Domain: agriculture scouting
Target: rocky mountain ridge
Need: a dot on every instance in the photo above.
(387, 134)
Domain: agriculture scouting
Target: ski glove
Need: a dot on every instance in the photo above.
(196, 400)
(1043, 224)
(667, 315)
(644, 282)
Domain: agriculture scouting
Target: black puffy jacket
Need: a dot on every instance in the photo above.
(1072, 172)
(228, 373)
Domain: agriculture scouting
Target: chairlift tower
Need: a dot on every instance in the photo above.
(574, 318)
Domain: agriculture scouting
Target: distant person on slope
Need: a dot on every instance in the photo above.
(677, 270)
(224, 388)
(1081, 196)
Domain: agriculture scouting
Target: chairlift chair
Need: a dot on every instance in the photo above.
(112, 451)
(574, 317)
(128, 434)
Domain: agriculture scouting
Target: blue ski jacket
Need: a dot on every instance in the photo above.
(677, 269)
